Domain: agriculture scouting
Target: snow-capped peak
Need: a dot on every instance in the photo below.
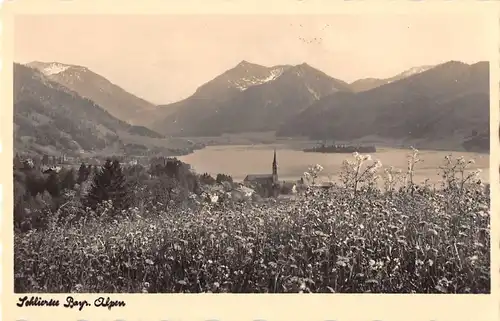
(408, 73)
(415, 70)
(246, 82)
(54, 68)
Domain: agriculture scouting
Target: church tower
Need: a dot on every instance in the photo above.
(275, 169)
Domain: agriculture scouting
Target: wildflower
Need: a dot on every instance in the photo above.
(434, 232)
(318, 168)
(214, 198)
(78, 288)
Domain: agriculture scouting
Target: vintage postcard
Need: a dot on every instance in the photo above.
(222, 160)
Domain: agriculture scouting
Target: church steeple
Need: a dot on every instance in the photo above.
(275, 168)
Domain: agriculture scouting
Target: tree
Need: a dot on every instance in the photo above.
(207, 179)
(136, 175)
(83, 173)
(35, 182)
(224, 178)
(118, 191)
(52, 185)
(68, 180)
(109, 184)
(37, 161)
(45, 160)
(162, 189)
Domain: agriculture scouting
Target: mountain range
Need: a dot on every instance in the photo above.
(445, 105)
(447, 102)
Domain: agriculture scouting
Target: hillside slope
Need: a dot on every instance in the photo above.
(114, 99)
(52, 119)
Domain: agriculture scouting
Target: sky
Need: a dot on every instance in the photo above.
(164, 58)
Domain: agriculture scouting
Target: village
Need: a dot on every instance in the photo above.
(253, 187)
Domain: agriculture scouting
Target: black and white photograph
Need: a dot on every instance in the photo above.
(211, 153)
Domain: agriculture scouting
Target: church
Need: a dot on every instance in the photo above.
(265, 179)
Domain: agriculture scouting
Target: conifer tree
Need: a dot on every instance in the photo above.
(82, 174)
(68, 180)
(100, 185)
(37, 161)
(52, 185)
(108, 184)
(118, 191)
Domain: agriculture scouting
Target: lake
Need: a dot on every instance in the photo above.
(241, 160)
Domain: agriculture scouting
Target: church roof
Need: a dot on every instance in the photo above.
(253, 177)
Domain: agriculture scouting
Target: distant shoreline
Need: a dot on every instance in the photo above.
(293, 143)
(253, 139)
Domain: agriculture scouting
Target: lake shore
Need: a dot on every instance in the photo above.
(299, 143)
(242, 160)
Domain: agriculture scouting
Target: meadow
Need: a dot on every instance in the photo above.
(350, 237)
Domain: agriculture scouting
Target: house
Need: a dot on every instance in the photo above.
(51, 169)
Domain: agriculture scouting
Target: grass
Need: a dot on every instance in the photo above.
(352, 238)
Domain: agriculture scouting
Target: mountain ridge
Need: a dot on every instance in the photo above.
(50, 118)
(244, 88)
(417, 107)
(365, 84)
(116, 100)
